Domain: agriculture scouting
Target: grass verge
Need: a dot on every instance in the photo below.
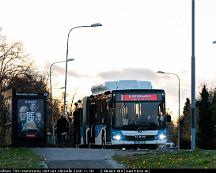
(19, 158)
(199, 159)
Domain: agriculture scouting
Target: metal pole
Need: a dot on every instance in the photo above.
(179, 126)
(51, 100)
(193, 131)
(66, 74)
(52, 135)
(52, 118)
(66, 66)
(179, 116)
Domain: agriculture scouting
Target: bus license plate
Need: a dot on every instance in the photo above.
(139, 142)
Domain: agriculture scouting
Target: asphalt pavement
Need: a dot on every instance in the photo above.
(82, 158)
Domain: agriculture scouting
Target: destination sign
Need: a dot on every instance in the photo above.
(139, 97)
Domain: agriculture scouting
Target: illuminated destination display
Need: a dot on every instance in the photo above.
(139, 97)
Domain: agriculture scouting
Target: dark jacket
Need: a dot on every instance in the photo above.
(62, 125)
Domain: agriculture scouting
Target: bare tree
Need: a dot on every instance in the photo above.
(17, 72)
(13, 62)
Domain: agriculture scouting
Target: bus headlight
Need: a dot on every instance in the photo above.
(117, 137)
(162, 136)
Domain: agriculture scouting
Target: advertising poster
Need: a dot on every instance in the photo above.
(30, 118)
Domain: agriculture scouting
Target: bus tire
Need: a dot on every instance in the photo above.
(88, 138)
(103, 140)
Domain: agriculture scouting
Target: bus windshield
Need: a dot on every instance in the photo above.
(137, 115)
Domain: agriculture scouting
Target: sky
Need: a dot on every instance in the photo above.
(137, 39)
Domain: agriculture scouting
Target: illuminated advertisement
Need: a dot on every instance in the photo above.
(139, 97)
(30, 118)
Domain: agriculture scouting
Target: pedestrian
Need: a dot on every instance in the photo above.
(62, 126)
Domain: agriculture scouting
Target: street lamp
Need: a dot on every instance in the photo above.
(52, 119)
(65, 92)
(161, 72)
(193, 80)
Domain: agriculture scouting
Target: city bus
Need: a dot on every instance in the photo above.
(122, 113)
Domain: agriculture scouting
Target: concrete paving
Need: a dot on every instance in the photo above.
(79, 158)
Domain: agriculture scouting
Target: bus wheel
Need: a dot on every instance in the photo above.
(88, 139)
(103, 140)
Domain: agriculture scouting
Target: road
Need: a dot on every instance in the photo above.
(80, 157)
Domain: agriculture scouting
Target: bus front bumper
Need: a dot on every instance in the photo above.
(152, 142)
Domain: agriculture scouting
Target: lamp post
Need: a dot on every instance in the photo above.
(179, 137)
(193, 80)
(65, 92)
(52, 119)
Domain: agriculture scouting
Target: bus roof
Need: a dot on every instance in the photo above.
(120, 85)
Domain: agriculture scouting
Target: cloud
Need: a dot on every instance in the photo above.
(61, 71)
(167, 82)
(128, 73)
